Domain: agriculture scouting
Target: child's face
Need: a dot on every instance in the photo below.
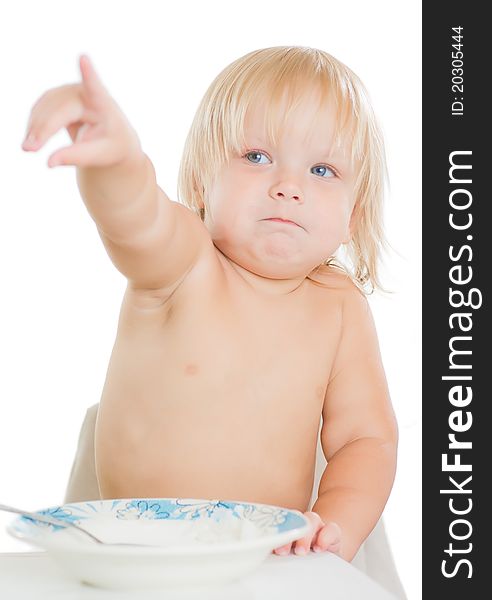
(300, 178)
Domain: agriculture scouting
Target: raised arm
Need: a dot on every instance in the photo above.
(150, 239)
(359, 433)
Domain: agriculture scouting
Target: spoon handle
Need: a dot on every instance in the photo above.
(47, 519)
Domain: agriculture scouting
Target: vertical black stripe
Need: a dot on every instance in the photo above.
(457, 246)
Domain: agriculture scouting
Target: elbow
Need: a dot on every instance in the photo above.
(389, 437)
(394, 437)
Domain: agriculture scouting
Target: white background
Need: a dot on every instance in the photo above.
(60, 294)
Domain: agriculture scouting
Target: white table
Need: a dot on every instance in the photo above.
(33, 575)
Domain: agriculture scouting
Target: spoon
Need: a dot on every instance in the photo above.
(61, 523)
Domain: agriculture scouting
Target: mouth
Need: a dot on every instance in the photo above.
(284, 221)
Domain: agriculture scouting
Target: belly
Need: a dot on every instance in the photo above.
(208, 439)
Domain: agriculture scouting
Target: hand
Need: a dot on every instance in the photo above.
(322, 537)
(99, 130)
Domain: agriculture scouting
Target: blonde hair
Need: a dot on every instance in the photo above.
(267, 75)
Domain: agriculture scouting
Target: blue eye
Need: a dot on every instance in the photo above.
(256, 157)
(323, 171)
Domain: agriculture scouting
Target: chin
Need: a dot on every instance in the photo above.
(272, 263)
(271, 270)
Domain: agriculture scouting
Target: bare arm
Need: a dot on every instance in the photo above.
(121, 198)
(359, 433)
(150, 239)
(154, 242)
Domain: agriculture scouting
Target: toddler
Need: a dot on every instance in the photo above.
(241, 328)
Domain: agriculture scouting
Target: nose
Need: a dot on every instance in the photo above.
(286, 190)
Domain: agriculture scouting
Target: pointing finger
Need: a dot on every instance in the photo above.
(90, 79)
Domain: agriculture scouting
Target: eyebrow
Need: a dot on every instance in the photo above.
(336, 152)
(259, 142)
(253, 142)
(338, 159)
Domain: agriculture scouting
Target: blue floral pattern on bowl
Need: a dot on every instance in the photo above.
(270, 519)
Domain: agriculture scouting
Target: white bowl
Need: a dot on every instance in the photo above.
(191, 542)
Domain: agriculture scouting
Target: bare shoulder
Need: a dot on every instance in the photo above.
(338, 285)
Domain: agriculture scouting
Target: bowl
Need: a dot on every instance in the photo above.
(186, 542)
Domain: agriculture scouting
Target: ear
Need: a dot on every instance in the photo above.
(201, 209)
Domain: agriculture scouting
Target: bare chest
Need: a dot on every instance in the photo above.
(221, 355)
(220, 379)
